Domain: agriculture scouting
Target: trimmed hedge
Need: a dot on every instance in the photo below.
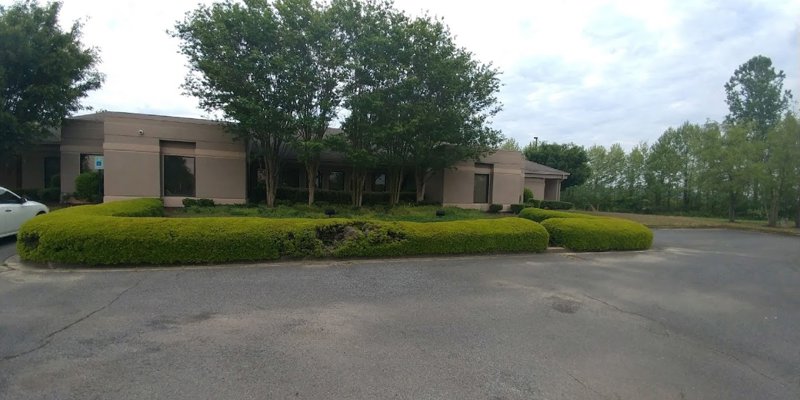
(539, 214)
(495, 208)
(516, 208)
(598, 234)
(107, 235)
(557, 205)
(300, 196)
(584, 232)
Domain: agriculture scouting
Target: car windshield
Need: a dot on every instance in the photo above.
(8, 197)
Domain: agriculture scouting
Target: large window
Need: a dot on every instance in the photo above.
(52, 168)
(481, 188)
(89, 162)
(336, 180)
(178, 176)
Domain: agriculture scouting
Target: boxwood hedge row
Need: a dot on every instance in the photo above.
(133, 232)
(539, 214)
(582, 232)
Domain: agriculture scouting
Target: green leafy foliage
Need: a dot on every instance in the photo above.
(188, 202)
(44, 72)
(566, 157)
(598, 234)
(583, 232)
(527, 195)
(539, 214)
(556, 205)
(87, 186)
(516, 208)
(755, 95)
(495, 208)
(107, 234)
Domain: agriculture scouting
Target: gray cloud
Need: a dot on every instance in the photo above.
(589, 72)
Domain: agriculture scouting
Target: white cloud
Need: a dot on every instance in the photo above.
(584, 71)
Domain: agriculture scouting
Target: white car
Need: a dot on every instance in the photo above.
(15, 210)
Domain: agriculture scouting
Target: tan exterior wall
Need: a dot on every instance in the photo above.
(133, 159)
(552, 189)
(33, 165)
(536, 185)
(505, 186)
(78, 137)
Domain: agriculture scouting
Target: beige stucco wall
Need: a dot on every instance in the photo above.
(78, 137)
(506, 181)
(536, 185)
(133, 163)
(33, 167)
(552, 189)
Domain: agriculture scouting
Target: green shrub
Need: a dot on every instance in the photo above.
(516, 208)
(300, 196)
(539, 214)
(534, 203)
(189, 202)
(556, 205)
(87, 186)
(527, 195)
(106, 235)
(598, 234)
(50, 195)
(495, 208)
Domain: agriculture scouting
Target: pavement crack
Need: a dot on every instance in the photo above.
(585, 386)
(689, 340)
(621, 310)
(49, 337)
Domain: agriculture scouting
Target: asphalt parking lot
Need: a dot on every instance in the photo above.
(706, 314)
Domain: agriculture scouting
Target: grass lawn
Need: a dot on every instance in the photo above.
(398, 213)
(670, 221)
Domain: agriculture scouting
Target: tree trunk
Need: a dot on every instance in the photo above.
(357, 194)
(271, 179)
(311, 182)
(421, 176)
(774, 204)
(797, 215)
(395, 183)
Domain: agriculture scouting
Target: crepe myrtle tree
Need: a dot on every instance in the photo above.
(448, 101)
(370, 33)
(423, 102)
(272, 69)
(44, 73)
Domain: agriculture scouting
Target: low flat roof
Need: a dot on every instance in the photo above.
(535, 168)
(102, 115)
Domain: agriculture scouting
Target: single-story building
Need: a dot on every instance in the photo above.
(175, 158)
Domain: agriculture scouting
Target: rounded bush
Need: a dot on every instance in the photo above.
(539, 215)
(132, 232)
(598, 234)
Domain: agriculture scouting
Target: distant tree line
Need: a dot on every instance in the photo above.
(746, 166)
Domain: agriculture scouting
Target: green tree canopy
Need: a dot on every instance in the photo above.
(566, 157)
(44, 73)
(755, 95)
(272, 68)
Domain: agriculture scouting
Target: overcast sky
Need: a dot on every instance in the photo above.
(589, 72)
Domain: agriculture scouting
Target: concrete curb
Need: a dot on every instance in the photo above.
(15, 263)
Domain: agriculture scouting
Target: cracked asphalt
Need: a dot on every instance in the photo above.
(707, 314)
